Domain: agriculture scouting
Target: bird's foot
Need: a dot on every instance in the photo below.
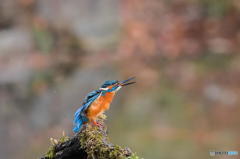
(97, 124)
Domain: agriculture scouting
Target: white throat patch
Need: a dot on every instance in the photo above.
(104, 89)
(118, 88)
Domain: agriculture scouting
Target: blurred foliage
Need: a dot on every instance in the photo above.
(184, 53)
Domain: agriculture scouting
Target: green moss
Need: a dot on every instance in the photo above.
(133, 156)
(93, 141)
(50, 154)
(64, 138)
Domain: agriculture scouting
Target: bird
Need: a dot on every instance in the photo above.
(97, 102)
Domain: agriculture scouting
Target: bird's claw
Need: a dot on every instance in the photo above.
(97, 124)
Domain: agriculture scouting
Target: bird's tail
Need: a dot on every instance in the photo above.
(79, 119)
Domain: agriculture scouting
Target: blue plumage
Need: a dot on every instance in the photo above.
(109, 83)
(80, 116)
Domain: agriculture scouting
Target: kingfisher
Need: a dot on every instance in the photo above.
(97, 102)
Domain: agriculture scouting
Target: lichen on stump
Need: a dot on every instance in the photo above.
(91, 143)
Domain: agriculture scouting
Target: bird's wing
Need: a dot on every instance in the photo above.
(79, 117)
(92, 96)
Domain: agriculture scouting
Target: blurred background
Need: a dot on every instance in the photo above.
(184, 53)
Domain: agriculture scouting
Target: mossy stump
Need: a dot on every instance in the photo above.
(91, 143)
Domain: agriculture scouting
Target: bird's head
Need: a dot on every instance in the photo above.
(114, 85)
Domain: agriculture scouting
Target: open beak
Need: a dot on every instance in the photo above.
(127, 82)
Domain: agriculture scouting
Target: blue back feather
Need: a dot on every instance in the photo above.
(80, 116)
(109, 83)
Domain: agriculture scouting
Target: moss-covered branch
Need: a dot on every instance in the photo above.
(91, 143)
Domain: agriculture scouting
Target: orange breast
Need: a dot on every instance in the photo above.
(100, 105)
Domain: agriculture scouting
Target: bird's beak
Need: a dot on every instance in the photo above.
(127, 82)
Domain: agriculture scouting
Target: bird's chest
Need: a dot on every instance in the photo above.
(101, 104)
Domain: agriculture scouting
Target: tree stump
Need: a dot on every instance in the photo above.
(91, 142)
